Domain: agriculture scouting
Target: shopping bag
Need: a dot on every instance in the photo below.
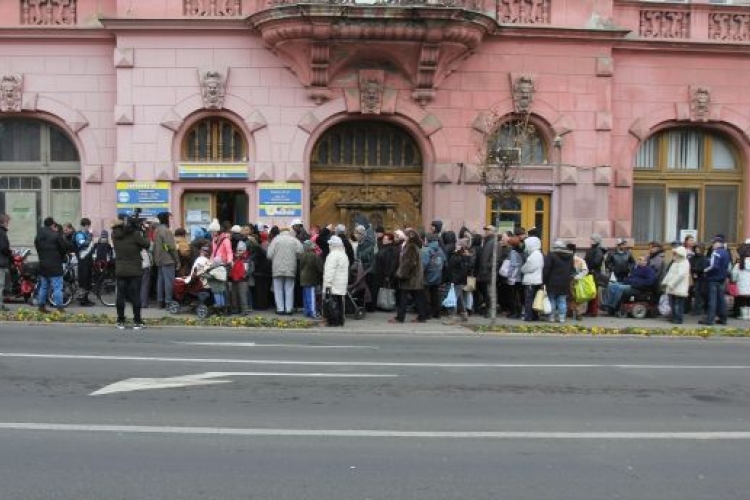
(505, 269)
(665, 308)
(386, 300)
(331, 308)
(449, 302)
(542, 303)
(584, 289)
(471, 284)
(733, 289)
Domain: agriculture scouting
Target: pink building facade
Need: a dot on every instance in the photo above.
(634, 115)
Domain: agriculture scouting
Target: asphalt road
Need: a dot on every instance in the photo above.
(92, 413)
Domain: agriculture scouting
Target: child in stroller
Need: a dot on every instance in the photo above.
(194, 290)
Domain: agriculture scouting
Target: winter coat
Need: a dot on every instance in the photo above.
(366, 252)
(516, 263)
(595, 258)
(641, 277)
(5, 251)
(718, 265)
(310, 269)
(336, 271)
(52, 250)
(386, 264)
(433, 275)
(284, 251)
(458, 268)
(128, 246)
(534, 265)
(448, 242)
(221, 249)
(656, 262)
(677, 280)
(558, 272)
(165, 247)
(410, 274)
(743, 277)
(620, 262)
(484, 270)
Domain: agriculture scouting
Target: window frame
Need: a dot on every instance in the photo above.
(214, 142)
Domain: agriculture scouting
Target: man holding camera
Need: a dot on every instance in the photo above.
(128, 241)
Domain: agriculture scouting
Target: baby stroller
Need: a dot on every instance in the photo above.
(357, 291)
(192, 293)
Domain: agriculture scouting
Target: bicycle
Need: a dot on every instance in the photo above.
(105, 283)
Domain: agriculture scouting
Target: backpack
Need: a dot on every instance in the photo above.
(81, 240)
(433, 274)
(183, 248)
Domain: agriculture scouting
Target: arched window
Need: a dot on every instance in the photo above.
(214, 140)
(523, 136)
(39, 176)
(686, 178)
(366, 144)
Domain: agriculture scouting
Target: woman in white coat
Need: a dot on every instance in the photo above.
(676, 283)
(532, 276)
(336, 279)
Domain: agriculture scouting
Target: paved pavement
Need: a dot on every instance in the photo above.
(378, 321)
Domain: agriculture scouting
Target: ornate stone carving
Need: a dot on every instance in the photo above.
(700, 103)
(225, 8)
(729, 27)
(664, 24)
(371, 83)
(48, 12)
(523, 93)
(213, 89)
(524, 11)
(11, 97)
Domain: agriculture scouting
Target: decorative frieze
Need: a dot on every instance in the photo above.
(669, 24)
(728, 27)
(220, 8)
(371, 91)
(11, 96)
(523, 11)
(48, 12)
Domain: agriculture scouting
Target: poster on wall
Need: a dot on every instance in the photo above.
(279, 200)
(212, 171)
(150, 197)
(21, 207)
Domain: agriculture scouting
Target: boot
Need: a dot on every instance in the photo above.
(43, 309)
(84, 300)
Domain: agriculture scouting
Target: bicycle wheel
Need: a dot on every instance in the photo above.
(69, 291)
(106, 290)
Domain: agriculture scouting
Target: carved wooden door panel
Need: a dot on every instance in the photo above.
(366, 169)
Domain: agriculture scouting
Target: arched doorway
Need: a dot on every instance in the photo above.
(366, 169)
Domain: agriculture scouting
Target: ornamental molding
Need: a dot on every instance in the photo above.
(213, 88)
(700, 103)
(317, 42)
(11, 94)
(523, 88)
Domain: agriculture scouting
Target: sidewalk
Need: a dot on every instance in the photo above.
(378, 321)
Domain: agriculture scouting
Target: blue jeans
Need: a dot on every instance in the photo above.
(165, 283)
(717, 302)
(559, 306)
(57, 290)
(308, 298)
(613, 295)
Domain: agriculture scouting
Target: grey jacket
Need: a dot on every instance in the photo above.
(284, 251)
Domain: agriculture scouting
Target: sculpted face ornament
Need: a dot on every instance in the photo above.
(212, 84)
(523, 93)
(10, 93)
(701, 103)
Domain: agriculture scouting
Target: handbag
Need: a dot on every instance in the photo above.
(386, 300)
(331, 308)
(471, 284)
(665, 308)
(584, 289)
(450, 300)
(733, 289)
(219, 273)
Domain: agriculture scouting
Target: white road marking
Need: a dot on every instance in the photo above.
(254, 344)
(364, 433)
(140, 384)
(82, 357)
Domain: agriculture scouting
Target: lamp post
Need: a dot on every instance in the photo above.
(499, 179)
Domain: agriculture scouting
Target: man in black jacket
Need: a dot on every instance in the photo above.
(594, 259)
(5, 257)
(128, 240)
(52, 251)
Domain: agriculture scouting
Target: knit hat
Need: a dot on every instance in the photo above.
(596, 238)
(214, 227)
(104, 234)
(236, 229)
(335, 241)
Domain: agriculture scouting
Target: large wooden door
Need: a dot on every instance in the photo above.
(366, 169)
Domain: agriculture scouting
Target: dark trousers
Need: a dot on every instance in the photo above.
(717, 302)
(529, 314)
(435, 300)
(419, 302)
(678, 308)
(129, 289)
(85, 272)
(482, 302)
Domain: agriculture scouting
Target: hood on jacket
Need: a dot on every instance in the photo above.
(679, 253)
(438, 226)
(532, 243)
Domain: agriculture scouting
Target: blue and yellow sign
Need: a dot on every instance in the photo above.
(213, 171)
(280, 200)
(150, 197)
